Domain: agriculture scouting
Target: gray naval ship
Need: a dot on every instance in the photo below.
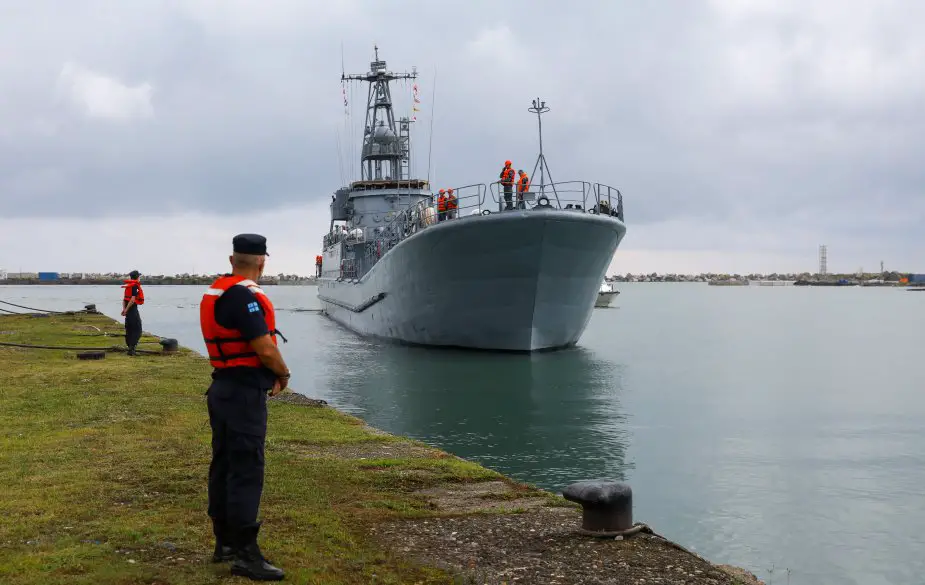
(496, 274)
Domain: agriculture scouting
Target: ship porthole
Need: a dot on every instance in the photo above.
(486, 212)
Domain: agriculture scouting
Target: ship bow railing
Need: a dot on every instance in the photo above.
(579, 196)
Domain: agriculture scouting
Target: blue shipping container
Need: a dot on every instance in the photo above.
(48, 276)
(916, 278)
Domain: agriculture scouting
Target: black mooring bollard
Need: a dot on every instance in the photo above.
(169, 345)
(607, 505)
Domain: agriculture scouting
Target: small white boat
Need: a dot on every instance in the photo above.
(605, 295)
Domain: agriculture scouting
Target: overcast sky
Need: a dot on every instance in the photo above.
(743, 134)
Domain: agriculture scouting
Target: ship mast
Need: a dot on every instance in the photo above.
(539, 108)
(386, 151)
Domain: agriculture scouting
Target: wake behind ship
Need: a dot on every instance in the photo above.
(490, 277)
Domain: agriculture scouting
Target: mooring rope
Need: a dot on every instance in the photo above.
(68, 347)
(115, 348)
(34, 309)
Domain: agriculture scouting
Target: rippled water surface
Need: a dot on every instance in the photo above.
(760, 426)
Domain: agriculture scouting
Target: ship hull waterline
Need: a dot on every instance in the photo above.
(517, 281)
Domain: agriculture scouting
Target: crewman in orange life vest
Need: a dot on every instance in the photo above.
(317, 265)
(132, 297)
(523, 185)
(451, 204)
(441, 206)
(238, 325)
(507, 181)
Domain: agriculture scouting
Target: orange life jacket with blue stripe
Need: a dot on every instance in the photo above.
(226, 347)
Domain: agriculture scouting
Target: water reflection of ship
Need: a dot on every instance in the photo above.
(547, 419)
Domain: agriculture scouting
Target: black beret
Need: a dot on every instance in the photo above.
(250, 244)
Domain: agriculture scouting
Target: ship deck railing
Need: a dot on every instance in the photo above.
(470, 200)
(578, 196)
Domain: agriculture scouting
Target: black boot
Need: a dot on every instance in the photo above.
(223, 550)
(249, 561)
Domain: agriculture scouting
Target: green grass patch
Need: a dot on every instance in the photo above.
(104, 466)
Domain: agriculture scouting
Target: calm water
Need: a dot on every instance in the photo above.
(759, 426)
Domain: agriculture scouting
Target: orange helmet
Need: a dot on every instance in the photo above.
(507, 163)
(441, 190)
(451, 190)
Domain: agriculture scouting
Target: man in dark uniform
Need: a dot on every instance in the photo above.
(132, 297)
(239, 328)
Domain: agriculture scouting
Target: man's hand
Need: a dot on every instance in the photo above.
(123, 312)
(273, 360)
(279, 385)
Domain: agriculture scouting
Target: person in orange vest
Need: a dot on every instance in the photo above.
(507, 181)
(132, 297)
(317, 265)
(238, 324)
(523, 185)
(441, 206)
(451, 204)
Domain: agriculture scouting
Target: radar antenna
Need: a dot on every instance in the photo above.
(385, 148)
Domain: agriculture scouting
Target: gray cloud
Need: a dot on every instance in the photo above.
(773, 125)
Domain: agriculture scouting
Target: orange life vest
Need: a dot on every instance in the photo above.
(317, 260)
(507, 176)
(441, 203)
(523, 184)
(451, 202)
(226, 347)
(127, 295)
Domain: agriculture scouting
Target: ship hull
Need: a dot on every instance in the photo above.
(515, 281)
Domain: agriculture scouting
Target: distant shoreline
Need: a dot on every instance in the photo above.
(889, 279)
(164, 282)
(314, 282)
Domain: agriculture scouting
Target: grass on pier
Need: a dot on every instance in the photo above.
(104, 464)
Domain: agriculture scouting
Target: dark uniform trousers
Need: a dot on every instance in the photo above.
(508, 190)
(132, 327)
(238, 415)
